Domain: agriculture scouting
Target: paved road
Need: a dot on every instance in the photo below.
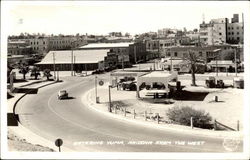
(77, 124)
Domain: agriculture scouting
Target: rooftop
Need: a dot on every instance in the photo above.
(81, 56)
(105, 45)
(158, 74)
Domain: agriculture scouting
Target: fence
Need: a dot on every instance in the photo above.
(149, 116)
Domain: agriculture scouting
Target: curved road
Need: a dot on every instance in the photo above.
(77, 125)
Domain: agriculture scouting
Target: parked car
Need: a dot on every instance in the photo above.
(62, 94)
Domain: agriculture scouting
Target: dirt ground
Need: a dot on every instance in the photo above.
(16, 143)
(228, 110)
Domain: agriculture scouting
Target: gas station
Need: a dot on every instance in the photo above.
(146, 78)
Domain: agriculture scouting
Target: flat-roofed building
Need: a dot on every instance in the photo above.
(120, 49)
(19, 47)
(83, 60)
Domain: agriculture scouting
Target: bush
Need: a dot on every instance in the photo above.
(182, 115)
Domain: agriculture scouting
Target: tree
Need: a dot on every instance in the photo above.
(9, 69)
(24, 69)
(46, 73)
(35, 72)
(193, 59)
(182, 115)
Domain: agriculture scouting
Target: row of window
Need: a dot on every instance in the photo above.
(238, 38)
(37, 42)
(232, 33)
(37, 48)
(233, 28)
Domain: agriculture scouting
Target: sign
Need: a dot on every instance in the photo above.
(59, 142)
(101, 82)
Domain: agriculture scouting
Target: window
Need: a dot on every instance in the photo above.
(232, 33)
(43, 42)
(238, 38)
(200, 54)
(238, 33)
(228, 28)
(237, 27)
(175, 54)
(229, 33)
(36, 42)
(30, 42)
(220, 34)
(232, 27)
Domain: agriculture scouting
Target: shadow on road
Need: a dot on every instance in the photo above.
(190, 96)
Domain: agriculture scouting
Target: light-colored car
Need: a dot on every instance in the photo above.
(62, 94)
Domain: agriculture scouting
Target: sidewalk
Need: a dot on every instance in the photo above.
(89, 100)
(22, 139)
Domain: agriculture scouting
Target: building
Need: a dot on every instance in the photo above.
(82, 60)
(214, 32)
(221, 66)
(152, 46)
(120, 49)
(235, 31)
(19, 47)
(39, 45)
(205, 53)
(220, 31)
(162, 33)
(138, 53)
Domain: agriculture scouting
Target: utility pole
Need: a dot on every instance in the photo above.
(216, 65)
(54, 65)
(72, 58)
(74, 66)
(122, 61)
(57, 74)
(96, 89)
(110, 100)
(135, 54)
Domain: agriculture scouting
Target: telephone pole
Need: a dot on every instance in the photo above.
(54, 65)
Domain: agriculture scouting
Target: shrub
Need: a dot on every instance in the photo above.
(182, 115)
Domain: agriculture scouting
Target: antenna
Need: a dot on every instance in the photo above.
(203, 18)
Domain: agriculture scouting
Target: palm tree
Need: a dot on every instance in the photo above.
(24, 69)
(193, 59)
(35, 72)
(46, 73)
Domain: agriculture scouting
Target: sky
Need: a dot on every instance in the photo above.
(103, 17)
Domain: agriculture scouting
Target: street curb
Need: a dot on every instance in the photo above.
(35, 136)
(196, 131)
(14, 106)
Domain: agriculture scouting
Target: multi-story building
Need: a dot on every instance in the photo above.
(137, 52)
(163, 32)
(19, 47)
(39, 45)
(220, 31)
(235, 31)
(214, 32)
(205, 53)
